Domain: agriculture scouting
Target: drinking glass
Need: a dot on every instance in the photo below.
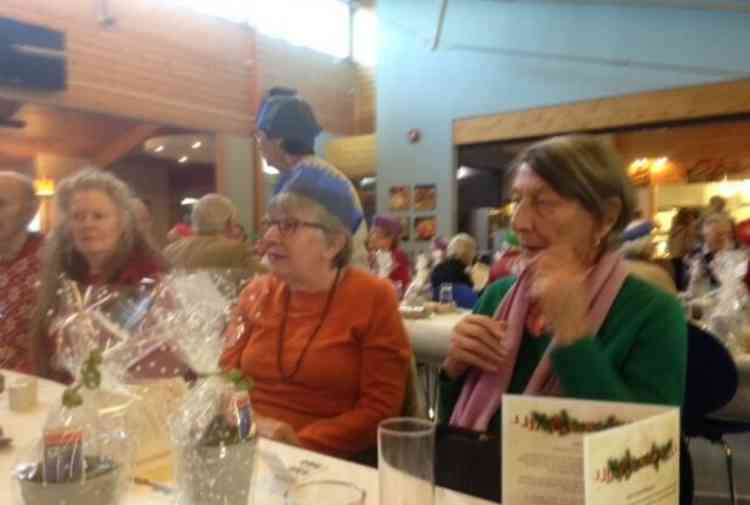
(406, 461)
(324, 492)
(445, 295)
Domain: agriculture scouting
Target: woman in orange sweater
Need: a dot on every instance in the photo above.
(323, 342)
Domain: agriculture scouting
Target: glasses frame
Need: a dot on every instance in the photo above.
(288, 227)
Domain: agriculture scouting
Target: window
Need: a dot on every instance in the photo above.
(322, 25)
(365, 37)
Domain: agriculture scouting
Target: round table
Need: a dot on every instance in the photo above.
(268, 488)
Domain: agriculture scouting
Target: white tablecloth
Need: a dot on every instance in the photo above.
(431, 337)
(267, 490)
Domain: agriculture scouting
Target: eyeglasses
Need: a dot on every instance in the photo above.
(287, 226)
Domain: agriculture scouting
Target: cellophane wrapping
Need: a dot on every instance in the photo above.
(84, 452)
(723, 311)
(213, 430)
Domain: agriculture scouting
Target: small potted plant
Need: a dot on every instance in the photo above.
(216, 442)
(78, 460)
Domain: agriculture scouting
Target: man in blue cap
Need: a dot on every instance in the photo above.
(286, 130)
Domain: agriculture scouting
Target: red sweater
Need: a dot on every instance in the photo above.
(354, 373)
(18, 280)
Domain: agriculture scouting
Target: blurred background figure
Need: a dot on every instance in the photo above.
(386, 236)
(180, 230)
(638, 249)
(96, 241)
(718, 235)
(142, 215)
(508, 259)
(19, 270)
(215, 243)
(437, 250)
(684, 238)
(454, 270)
(716, 204)
(286, 128)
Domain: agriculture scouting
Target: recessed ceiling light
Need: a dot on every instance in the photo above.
(189, 201)
(197, 144)
(158, 149)
(183, 159)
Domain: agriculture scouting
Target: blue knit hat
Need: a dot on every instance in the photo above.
(284, 114)
(328, 189)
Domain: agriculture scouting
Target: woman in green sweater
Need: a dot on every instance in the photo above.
(573, 323)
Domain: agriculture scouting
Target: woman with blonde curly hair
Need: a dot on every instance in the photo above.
(95, 242)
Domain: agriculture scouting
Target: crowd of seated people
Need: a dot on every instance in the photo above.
(570, 319)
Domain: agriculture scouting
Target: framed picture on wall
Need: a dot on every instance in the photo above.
(405, 228)
(399, 198)
(425, 227)
(425, 197)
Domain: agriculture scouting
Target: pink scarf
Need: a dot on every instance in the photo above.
(482, 393)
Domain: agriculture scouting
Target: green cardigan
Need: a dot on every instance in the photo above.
(639, 355)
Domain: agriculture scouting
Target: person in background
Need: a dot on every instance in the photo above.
(214, 244)
(683, 241)
(180, 230)
(386, 236)
(286, 129)
(96, 242)
(437, 250)
(323, 341)
(718, 235)
(142, 215)
(19, 270)
(508, 261)
(573, 323)
(454, 270)
(716, 205)
(638, 249)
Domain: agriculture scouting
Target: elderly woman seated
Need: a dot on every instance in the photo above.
(322, 341)
(573, 322)
(454, 270)
(96, 242)
(214, 244)
(386, 236)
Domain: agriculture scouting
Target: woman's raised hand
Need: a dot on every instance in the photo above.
(477, 342)
(558, 286)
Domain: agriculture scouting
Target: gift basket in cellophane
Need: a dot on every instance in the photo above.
(84, 452)
(213, 430)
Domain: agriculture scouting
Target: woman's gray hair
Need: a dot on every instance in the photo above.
(61, 259)
(587, 169)
(462, 246)
(212, 213)
(290, 202)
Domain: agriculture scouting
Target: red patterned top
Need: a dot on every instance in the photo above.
(18, 286)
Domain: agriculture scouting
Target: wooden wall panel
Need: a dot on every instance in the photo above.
(326, 82)
(158, 62)
(690, 102)
(355, 155)
(705, 151)
(364, 100)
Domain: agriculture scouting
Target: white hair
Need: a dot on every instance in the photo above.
(212, 213)
(462, 246)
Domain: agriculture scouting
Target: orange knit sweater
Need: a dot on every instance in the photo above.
(355, 370)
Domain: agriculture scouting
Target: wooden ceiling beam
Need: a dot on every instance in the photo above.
(123, 144)
(686, 103)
